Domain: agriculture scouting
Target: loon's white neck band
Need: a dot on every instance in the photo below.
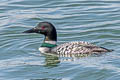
(50, 42)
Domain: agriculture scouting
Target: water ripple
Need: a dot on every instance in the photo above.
(75, 20)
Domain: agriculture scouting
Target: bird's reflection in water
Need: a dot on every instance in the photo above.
(72, 57)
(52, 60)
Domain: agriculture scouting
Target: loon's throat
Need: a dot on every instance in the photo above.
(48, 45)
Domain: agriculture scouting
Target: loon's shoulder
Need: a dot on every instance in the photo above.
(75, 44)
(82, 43)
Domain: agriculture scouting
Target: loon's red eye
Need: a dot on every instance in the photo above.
(43, 27)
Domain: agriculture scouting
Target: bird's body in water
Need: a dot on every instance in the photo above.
(49, 44)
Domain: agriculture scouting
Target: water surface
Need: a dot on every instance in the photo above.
(94, 21)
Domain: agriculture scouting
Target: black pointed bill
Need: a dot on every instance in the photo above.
(33, 30)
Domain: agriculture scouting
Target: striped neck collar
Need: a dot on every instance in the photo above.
(49, 44)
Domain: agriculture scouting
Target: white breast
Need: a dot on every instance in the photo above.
(44, 49)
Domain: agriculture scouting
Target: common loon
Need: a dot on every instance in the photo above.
(50, 42)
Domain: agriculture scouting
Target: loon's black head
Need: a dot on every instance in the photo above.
(45, 28)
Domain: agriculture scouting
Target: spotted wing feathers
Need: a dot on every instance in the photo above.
(79, 48)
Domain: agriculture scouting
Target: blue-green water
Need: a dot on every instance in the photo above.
(94, 21)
